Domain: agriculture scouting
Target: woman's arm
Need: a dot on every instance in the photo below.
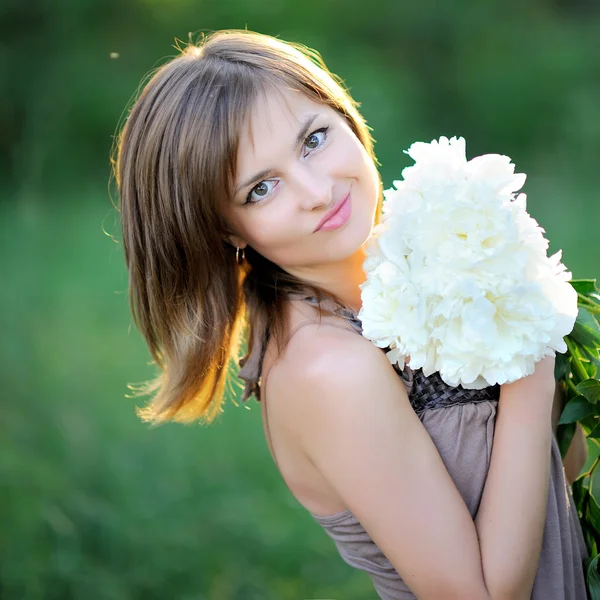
(350, 414)
(511, 517)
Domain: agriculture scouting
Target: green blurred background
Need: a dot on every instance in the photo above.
(95, 504)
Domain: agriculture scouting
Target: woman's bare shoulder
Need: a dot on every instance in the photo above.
(322, 349)
(324, 361)
(318, 359)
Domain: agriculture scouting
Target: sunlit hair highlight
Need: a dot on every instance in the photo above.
(175, 166)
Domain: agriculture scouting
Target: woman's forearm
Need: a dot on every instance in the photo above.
(511, 516)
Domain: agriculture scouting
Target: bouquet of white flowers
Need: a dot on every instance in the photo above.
(457, 273)
(459, 283)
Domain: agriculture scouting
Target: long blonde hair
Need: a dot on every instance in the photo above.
(175, 169)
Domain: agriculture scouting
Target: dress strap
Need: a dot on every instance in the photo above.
(329, 306)
(251, 364)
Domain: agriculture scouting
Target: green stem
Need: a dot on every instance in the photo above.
(587, 303)
(588, 472)
(575, 361)
(590, 355)
(572, 387)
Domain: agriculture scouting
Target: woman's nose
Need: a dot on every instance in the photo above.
(315, 189)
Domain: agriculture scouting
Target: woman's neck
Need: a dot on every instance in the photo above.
(341, 278)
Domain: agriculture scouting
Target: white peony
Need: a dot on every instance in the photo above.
(458, 277)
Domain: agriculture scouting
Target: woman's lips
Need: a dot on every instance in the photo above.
(338, 216)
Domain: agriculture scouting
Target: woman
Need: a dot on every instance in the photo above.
(248, 189)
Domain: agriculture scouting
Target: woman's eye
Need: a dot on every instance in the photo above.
(260, 190)
(316, 138)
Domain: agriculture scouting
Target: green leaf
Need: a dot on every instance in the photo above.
(564, 436)
(586, 330)
(579, 491)
(593, 355)
(579, 362)
(594, 433)
(595, 488)
(575, 410)
(589, 424)
(592, 548)
(593, 447)
(584, 286)
(593, 515)
(594, 509)
(590, 541)
(590, 388)
(583, 335)
(593, 578)
(586, 318)
(588, 294)
(561, 366)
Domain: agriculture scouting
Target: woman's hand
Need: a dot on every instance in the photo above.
(539, 385)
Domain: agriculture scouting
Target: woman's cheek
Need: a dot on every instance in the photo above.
(273, 231)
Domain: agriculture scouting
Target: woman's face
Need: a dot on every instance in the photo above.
(298, 160)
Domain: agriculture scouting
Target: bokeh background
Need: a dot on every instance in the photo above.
(96, 505)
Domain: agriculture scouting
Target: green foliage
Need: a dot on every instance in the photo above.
(578, 373)
(593, 578)
(96, 505)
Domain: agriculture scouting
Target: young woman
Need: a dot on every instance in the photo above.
(248, 189)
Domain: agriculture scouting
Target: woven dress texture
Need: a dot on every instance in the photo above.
(461, 424)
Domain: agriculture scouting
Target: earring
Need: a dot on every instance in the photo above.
(237, 255)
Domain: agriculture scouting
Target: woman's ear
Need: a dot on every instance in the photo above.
(236, 241)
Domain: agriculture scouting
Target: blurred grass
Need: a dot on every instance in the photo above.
(103, 507)
(96, 504)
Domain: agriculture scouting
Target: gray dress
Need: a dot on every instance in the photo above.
(461, 424)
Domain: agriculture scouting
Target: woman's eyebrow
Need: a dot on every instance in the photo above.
(299, 139)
